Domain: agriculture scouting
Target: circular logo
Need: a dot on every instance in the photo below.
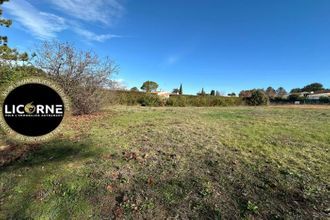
(33, 109)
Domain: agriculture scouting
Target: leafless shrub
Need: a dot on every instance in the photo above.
(82, 74)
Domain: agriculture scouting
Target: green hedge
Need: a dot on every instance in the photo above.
(120, 97)
(144, 99)
(199, 101)
(9, 74)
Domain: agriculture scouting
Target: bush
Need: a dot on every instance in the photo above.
(258, 97)
(279, 100)
(150, 100)
(324, 99)
(294, 97)
(82, 75)
(179, 101)
(200, 101)
(10, 74)
(122, 97)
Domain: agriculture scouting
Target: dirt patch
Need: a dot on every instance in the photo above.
(10, 153)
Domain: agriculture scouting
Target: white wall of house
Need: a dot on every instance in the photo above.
(318, 96)
(164, 94)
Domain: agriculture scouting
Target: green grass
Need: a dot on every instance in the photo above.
(156, 163)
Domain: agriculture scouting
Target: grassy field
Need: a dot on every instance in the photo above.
(157, 163)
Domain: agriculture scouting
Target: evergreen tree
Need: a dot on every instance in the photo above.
(4, 22)
(313, 87)
(281, 92)
(270, 92)
(180, 89)
(149, 86)
(258, 97)
(6, 53)
(134, 89)
(203, 92)
(296, 90)
(176, 91)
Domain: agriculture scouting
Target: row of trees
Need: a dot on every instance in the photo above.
(124, 97)
(212, 93)
(270, 92)
(147, 86)
(314, 87)
(178, 91)
(151, 86)
(281, 92)
(263, 97)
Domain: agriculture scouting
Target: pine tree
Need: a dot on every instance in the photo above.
(149, 86)
(180, 89)
(176, 91)
(281, 92)
(6, 53)
(4, 22)
(203, 92)
(270, 92)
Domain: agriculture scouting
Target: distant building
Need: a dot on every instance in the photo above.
(318, 96)
(162, 94)
(314, 95)
(305, 94)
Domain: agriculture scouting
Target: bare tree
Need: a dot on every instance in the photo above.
(82, 74)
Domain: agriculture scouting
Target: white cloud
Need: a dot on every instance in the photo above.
(90, 36)
(45, 25)
(41, 24)
(104, 11)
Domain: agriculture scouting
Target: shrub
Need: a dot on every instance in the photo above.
(294, 97)
(258, 97)
(123, 97)
(199, 101)
(324, 99)
(82, 75)
(180, 101)
(150, 100)
(279, 100)
(9, 74)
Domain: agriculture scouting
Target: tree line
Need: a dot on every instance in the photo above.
(280, 95)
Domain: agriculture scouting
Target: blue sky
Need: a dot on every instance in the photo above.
(226, 45)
